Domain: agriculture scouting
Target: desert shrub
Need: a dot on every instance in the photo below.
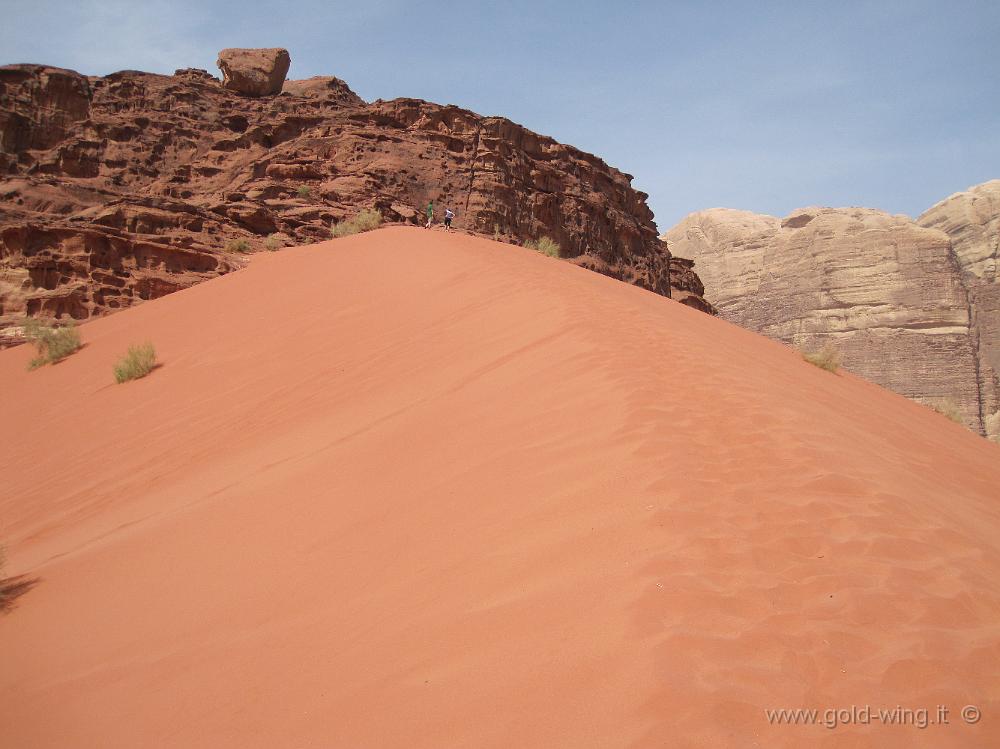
(138, 362)
(5, 592)
(52, 344)
(950, 409)
(238, 245)
(3, 577)
(545, 245)
(367, 220)
(992, 424)
(304, 191)
(827, 358)
(274, 242)
(11, 587)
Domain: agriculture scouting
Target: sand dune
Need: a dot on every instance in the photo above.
(414, 490)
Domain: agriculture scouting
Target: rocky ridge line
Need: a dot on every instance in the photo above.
(127, 186)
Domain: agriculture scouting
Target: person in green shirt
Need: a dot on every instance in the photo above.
(430, 214)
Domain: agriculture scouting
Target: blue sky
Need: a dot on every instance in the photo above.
(765, 106)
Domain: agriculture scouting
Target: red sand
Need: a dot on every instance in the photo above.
(414, 490)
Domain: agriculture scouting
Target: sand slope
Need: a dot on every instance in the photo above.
(414, 490)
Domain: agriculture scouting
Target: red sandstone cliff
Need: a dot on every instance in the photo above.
(128, 186)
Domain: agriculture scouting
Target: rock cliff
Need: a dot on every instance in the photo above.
(128, 186)
(887, 291)
(972, 220)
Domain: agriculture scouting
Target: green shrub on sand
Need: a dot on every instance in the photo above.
(52, 344)
(827, 358)
(545, 245)
(367, 220)
(949, 409)
(138, 362)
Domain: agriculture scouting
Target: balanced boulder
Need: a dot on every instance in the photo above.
(254, 72)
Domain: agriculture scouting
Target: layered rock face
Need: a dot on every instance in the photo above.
(128, 186)
(885, 290)
(972, 221)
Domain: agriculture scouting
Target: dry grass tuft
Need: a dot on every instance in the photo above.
(827, 358)
(545, 245)
(138, 362)
(237, 245)
(367, 220)
(52, 344)
(949, 408)
(11, 587)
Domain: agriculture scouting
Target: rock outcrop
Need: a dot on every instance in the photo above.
(254, 72)
(972, 220)
(885, 290)
(127, 186)
(39, 107)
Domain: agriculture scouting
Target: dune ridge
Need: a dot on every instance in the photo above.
(413, 489)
